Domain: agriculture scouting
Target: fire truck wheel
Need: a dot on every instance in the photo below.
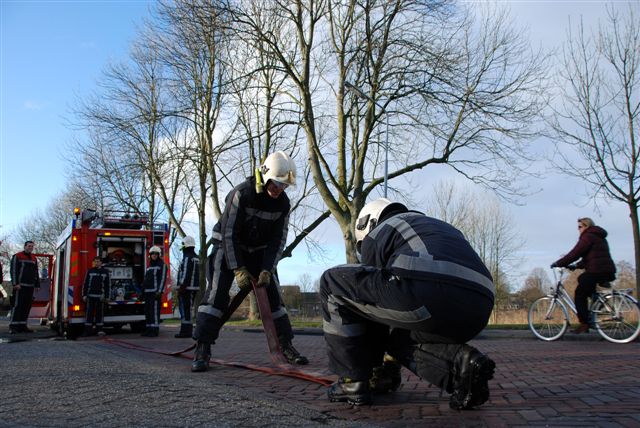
(137, 327)
(73, 331)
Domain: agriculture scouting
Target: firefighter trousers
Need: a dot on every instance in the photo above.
(216, 300)
(23, 299)
(185, 306)
(368, 311)
(152, 311)
(95, 313)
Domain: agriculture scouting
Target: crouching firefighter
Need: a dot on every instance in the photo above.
(248, 243)
(419, 295)
(188, 285)
(95, 292)
(153, 285)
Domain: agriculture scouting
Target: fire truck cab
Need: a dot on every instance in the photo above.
(122, 241)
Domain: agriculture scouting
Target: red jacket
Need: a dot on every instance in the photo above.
(593, 248)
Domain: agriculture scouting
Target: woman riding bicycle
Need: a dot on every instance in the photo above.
(593, 249)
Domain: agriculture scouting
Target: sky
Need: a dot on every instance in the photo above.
(52, 52)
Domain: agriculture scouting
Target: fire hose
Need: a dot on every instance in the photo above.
(283, 368)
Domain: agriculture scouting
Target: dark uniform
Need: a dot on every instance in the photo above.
(153, 285)
(188, 286)
(24, 272)
(421, 278)
(95, 290)
(251, 233)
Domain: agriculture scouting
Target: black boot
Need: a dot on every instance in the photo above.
(185, 331)
(292, 355)
(471, 373)
(386, 377)
(353, 392)
(88, 331)
(201, 357)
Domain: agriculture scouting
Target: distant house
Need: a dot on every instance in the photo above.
(300, 303)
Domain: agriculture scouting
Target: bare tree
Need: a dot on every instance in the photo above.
(599, 116)
(488, 227)
(45, 225)
(453, 90)
(625, 275)
(536, 284)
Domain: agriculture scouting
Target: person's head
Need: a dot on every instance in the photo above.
(373, 213)
(584, 223)
(188, 242)
(97, 262)
(28, 247)
(154, 252)
(278, 172)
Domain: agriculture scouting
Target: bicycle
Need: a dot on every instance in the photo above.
(615, 314)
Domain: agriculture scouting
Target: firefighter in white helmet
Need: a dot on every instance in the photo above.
(188, 285)
(248, 243)
(422, 288)
(155, 278)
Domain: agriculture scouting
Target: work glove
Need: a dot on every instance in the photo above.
(264, 279)
(243, 278)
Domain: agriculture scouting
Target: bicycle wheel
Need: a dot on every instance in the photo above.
(618, 319)
(548, 318)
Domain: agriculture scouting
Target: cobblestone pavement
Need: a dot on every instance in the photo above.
(579, 381)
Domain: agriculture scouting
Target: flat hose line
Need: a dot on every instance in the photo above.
(283, 367)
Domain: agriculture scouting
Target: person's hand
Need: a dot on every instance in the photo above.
(158, 294)
(243, 278)
(181, 290)
(103, 299)
(264, 279)
(16, 287)
(84, 298)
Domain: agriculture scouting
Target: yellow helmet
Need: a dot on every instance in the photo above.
(279, 167)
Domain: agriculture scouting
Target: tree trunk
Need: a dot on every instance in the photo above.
(633, 213)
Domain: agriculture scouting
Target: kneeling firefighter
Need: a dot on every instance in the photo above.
(248, 243)
(424, 290)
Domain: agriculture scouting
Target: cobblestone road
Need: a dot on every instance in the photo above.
(48, 382)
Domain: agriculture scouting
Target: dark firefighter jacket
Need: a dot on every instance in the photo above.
(253, 222)
(189, 273)
(96, 283)
(24, 270)
(412, 245)
(155, 277)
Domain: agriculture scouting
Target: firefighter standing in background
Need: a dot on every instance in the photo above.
(188, 285)
(95, 291)
(424, 290)
(153, 285)
(24, 278)
(248, 243)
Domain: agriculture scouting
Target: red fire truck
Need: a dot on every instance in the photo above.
(122, 240)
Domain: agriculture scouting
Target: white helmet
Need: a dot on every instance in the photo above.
(155, 249)
(279, 167)
(188, 241)
(369, 216)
